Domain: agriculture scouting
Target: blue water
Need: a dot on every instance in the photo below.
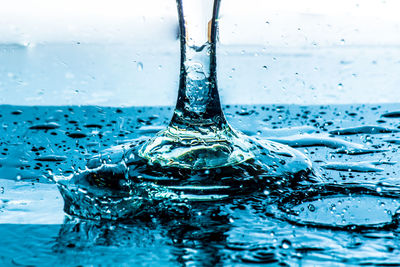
(349, 219)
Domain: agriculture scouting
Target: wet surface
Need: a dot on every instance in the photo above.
(350, 219)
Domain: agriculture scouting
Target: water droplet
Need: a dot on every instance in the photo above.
(286, 244)
(311, 207)
(47, 126)
(140, 66)
(51, 158)
(16, 112)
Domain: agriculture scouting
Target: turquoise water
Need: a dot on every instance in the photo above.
(349, 219)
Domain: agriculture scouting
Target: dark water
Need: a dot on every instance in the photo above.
(350, 219)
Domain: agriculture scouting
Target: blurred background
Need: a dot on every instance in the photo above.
(126, 52)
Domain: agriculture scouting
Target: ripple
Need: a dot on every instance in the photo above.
(118, 184)
(260, 256)
(106, 193)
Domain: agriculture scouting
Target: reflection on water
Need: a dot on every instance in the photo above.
(196, 239)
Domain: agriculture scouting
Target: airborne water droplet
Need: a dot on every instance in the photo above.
(140, 66)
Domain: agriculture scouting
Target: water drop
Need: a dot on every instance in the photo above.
(16, 112)
(311, 207)
(286, 244)
(76, 135)
(47, 126)
(140, 66)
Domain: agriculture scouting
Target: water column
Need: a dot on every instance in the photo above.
(198, 100)
(198, 136)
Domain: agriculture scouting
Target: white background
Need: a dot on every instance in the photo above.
(290, 22)
(303, 52)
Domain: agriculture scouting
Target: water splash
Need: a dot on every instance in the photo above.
(118, 184)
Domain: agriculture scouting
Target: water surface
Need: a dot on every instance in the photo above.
(350, 219)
